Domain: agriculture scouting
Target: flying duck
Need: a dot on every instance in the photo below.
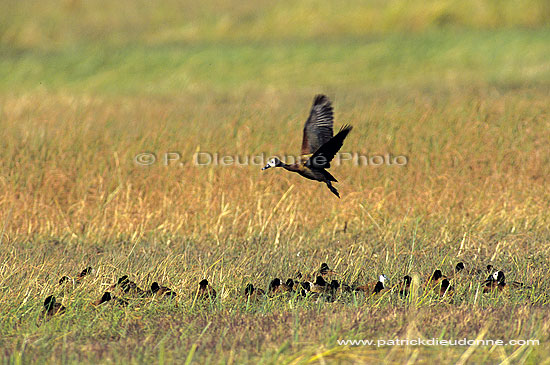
(319, 145)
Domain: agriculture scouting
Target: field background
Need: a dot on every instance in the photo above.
(460, 87)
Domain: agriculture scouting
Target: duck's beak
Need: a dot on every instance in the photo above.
(265, 167)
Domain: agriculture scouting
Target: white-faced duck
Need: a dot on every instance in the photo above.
(319, 286)
(331, 291)
(319, 145)
(380, 285)
(461, 269)
(65, 279)
(497, 281)
(374, 288)
(87, 271)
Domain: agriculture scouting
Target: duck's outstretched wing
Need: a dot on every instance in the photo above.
(322, 157)
(318, 128)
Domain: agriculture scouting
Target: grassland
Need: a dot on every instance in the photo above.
(85, 87)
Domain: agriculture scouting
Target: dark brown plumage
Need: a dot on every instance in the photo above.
(107, 297)
(65, 279)
(461, 269)
(278, 287)
(128, 287)
(319, 146)
(319, 286)
(435, 278)
(497, 281)
(51, 307)
(83, 273)
(325, 270)
(252, 294)
(375, 287)
(405, 286)
(206, 291)
(494, 281)
(160, 291)
(446, 289)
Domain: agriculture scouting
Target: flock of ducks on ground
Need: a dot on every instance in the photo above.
(321, 289)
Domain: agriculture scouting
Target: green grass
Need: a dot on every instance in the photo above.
(85, 86)
(435, 59)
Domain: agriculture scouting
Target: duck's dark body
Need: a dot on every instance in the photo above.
(310, 173)
(319, 146)
(498, 281)
(51, 307)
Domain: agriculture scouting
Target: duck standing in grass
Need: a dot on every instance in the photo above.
(252, 294)
(319, 145)
(446, 289)
(87, 271)
(435, 279)
(319, 286)
(65, 279)
(277, 287)
(51, 307)
(374, 288)
(160, 291)
(206, 291)
(107, 297)
(498, 281)
(405, 286)
(325, 270)
(128, 287)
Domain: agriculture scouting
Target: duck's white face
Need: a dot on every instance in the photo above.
(495, 276)
(383, 278)
(271, 163)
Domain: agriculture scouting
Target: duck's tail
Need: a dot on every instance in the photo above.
(332, 188)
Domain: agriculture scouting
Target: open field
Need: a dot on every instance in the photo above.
(466, 99)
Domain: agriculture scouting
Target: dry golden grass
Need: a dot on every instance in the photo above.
(475, 162)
